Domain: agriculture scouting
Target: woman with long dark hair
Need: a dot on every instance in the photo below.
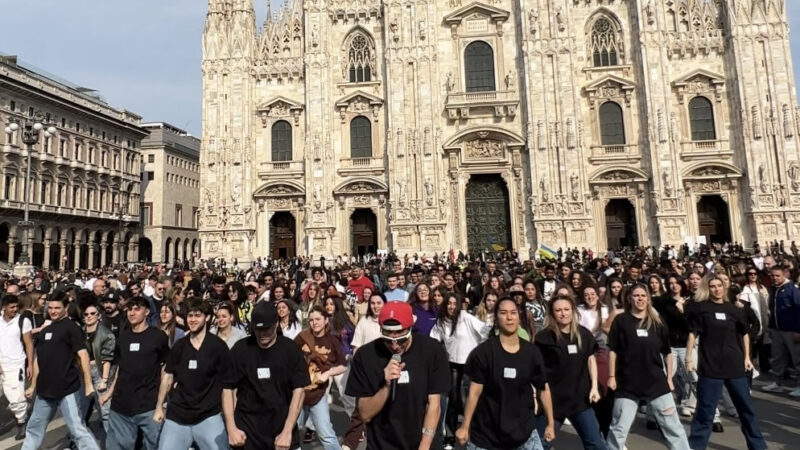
(227, 324)
(723, 361)
(167, 319)
(505, 373)
(341, 327)
(287, 318)
(535, 304)
(568, 350)
(597, 317)
(423, 308)
(639, 357)
(460, 332)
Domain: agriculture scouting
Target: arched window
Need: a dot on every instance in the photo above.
(360, 138)
(360, 58)
(701, 116)
(479, 67)
(612, 126)
(281, 141)
(604, 43)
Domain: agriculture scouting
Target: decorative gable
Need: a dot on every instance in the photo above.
(699, 82)
(476, 18)
(610, 87)
(279, 108)
(359, 102)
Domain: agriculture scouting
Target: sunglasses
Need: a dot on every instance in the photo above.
(400, 340)
(89, 314)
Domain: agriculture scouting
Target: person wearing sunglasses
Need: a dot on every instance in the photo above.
(100, 343)
(398, 381)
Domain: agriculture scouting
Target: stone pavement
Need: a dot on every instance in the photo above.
(779, 418)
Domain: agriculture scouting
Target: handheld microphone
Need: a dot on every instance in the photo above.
(393, 385)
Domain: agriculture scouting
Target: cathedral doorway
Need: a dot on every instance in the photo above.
(364, 232)
(713, 219)
(488, 216)
(282, 235)
(145, 250)
(621, 224)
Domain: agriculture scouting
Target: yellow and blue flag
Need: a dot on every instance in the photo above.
(547, 252)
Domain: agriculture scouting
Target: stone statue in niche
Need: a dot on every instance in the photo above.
(450, 83)
(317, 196)
(314, 35)
(756, 119)
(667, 184)
(573, 185)
(423, 32)
(509, 80)
(543, 189)
(560, 19)
(788, 130)
(794, 177)
(650, 13)
(533, 21)
(428, 192)
(401, 193)
(762, 182)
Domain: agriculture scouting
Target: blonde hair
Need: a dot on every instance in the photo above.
(651, 318)
(574, 326)
(703, 292)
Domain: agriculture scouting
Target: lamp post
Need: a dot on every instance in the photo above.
(31, 129)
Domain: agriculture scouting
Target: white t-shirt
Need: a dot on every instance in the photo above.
(11, 349)
(470, 331)
(367, 331)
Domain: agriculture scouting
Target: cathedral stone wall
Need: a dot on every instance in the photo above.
(342, 127)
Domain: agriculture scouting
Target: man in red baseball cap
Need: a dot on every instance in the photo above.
(398, 381)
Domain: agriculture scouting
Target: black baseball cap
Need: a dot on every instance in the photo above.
(111, 297)
(264, 315)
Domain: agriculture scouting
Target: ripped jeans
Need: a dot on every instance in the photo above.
(666, 414)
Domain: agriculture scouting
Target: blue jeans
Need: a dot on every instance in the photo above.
(321, 418)
(43, 412)
(709, 391)
(209, 434)
(533, 443)
(666, 416)
(585, 424)
(88, 402)
(122, 431)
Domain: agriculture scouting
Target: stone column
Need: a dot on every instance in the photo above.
(132, 252)
(46, 262)
(91, 254)
(76, 256)
(11, 244)
(114, 252)
(103, 252)
(61, 254)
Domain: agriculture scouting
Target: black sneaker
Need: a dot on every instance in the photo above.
(20, 432)
(717, 427)
(309, 436)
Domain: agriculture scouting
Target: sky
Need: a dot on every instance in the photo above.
(142, 55)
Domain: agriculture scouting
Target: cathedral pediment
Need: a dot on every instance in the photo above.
(610, 81)
(476, 10)
(283, 188)
(361, 186)
(618, 175)
(359, 102)
(699, 74)
(699, 81)
(279, 107)
(714, 171)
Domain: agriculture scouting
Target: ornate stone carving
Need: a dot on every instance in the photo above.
(762, 179)
(573, 186)
(794, 176)
(756, 122)
(484, 148)
(788, 129)
(667, 183)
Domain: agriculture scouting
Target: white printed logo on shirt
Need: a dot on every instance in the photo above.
(192, 364)
(48, 336)
(641, 333)
(572, 349)
(509, 372)
(720, 316)
(134, 347)
(263, 373)
(404, 378)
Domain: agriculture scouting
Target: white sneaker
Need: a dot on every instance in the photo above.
(685, 411)
(756, 373)
(795, 393)
(773, 387)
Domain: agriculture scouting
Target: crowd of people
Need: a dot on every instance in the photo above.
(482, 351)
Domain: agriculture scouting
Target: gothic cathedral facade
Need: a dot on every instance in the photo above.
(354, 126)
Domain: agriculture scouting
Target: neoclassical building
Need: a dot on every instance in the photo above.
(84, 184)
(346, 127)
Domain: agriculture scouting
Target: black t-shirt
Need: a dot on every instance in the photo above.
(640, 365)
(89, 342)
(505, 417)
(264, 380)
(720, 327)
(567, 370)
(399, 424)
(198, 375)
(676, 321)
(140, 357)
(116, 323)
(59, 375)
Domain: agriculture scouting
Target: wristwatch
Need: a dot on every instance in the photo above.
(428, 432)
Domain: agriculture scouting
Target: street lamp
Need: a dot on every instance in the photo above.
(31, 129)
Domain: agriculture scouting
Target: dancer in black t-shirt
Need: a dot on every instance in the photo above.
(501, 410)
(263, 393)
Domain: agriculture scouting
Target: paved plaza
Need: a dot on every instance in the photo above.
(779, 418)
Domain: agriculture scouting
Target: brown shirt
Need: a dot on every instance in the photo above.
(321, 353)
